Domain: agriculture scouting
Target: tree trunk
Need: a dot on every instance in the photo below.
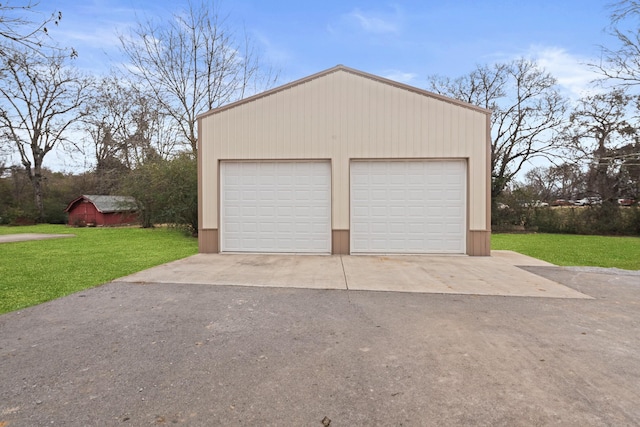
(602, 177)
(36, 181)
(37, 194)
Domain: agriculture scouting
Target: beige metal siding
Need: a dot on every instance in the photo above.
(341, 116)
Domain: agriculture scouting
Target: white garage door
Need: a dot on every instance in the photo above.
(275, 207)
(408, 206)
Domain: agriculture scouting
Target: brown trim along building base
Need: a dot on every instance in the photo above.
(208, 241)
(340, 242)
(479, 243)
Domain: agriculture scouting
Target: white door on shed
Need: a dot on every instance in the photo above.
(408, 206)
(275, 206)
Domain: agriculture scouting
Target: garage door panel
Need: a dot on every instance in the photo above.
(408, 206)
(275, 206)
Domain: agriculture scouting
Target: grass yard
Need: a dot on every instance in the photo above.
(38, 271)
(574, 250)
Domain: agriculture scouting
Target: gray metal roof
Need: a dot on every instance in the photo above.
(107, 204)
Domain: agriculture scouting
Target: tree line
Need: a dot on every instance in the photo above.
(137, 124)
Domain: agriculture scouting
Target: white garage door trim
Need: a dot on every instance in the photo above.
(275, 206)
(408, 206)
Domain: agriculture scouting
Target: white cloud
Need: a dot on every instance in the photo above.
(374, 23)
(368, 22)
(571, 71)
(275, 54)
(400, 76)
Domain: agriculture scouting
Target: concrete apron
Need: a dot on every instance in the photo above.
(456, 274)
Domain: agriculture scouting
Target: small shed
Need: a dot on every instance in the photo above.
(345, 162)
(98, 210)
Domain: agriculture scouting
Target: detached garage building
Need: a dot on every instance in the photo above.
(345, 162)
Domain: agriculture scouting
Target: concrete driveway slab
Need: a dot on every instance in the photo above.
(495, 275)
(283, 271)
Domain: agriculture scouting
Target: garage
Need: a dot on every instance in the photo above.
(408, 207)
(345, 162)
(276, 206)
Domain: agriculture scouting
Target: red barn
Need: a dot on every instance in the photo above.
(102, 210)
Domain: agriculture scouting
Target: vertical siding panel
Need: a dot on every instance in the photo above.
(293, 107)
(369, 126)
(393, 140)
(375, 109)
(266, 109)
(303, 136)
(311, 125)
(296, 123)
(463, 122)
(343, 113)
(234, 133)
(381, 105)
(274, 124)
(247, 124)
(323, 107)
(310, 132)
(420, 125)
(386, 124)
(359, 116)
(333, 119)
(355, 125)
(256, 124)
(411, 125)
(341, 154)
(349, 113)
(431, 134)
(290, 103)
(405, 123)
(455, 131)
(224, 135)
(446, 148)
(210, 147)
(437, 131)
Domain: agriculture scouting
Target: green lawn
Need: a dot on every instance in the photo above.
(38, 271)
(574, 250)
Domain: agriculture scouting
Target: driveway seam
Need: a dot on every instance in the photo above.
(344, 273)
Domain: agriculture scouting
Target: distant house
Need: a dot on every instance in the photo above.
(91, 210)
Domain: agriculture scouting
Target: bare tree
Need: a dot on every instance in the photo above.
(527, 110)
(622, 62)
(600, 134)
(564, 181)
(40, 98)
(192, 63)
(22, 26)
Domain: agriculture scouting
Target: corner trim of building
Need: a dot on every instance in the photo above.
(478, 243)
(208, 241)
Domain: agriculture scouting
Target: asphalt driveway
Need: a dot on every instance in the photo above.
(134, 353)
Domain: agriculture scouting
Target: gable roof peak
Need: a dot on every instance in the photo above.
(359, 73)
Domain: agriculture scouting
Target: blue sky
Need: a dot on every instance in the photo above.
(402, 40)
